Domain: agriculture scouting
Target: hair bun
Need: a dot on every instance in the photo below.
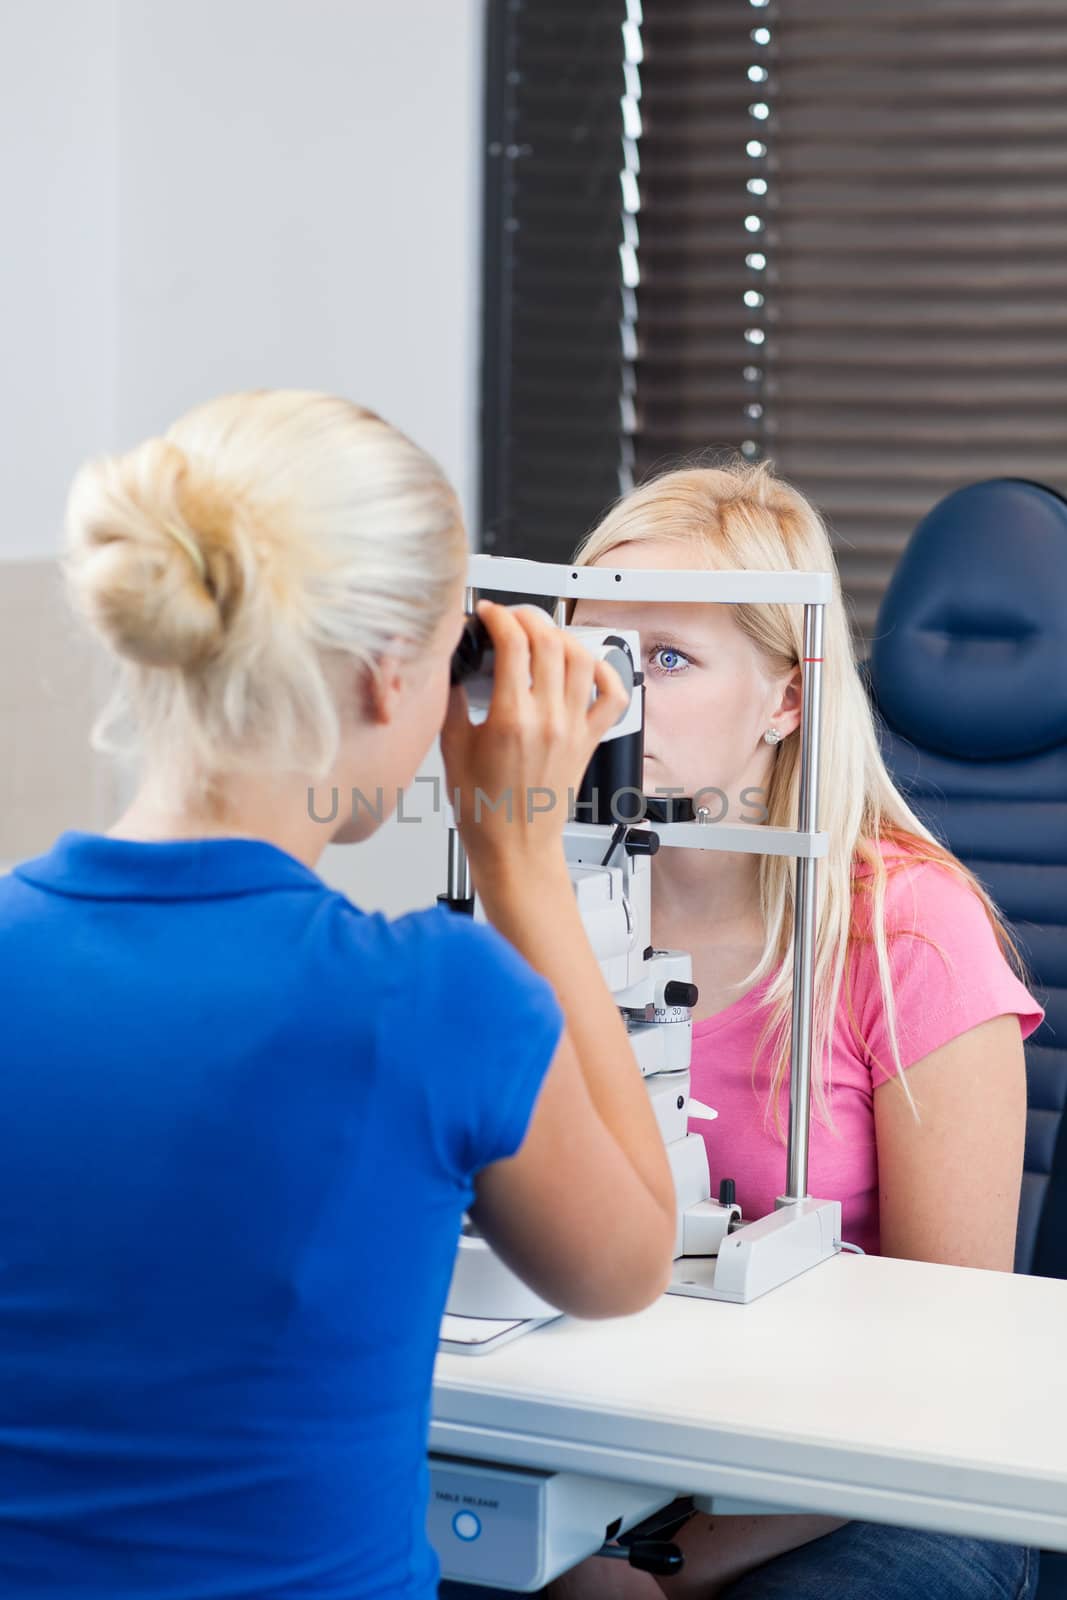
(252, 567)
(147, 551)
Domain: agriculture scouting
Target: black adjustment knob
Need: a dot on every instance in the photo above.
(676, 993)
(641, 842)
(464, 908)
(653, 1555)
(727, 1193)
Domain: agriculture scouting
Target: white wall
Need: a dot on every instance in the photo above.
(300, 205)
(232, 193)
(58, 264)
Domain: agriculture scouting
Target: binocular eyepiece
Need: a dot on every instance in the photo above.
(473, 659)
(469, 657)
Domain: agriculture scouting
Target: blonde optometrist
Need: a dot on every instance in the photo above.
(241, 1119)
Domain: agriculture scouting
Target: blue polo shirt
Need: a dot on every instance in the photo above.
(239, 1121)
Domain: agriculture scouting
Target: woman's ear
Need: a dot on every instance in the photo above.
(381, 690)
(787, 711)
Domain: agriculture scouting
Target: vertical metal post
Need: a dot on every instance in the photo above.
(804, 913)
(459, 872)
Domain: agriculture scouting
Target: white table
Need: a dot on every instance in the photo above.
(882, 1390)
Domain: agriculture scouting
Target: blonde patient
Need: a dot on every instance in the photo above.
(919, 1015)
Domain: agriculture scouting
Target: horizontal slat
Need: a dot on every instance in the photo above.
(540, 196)
(556, 438)
(924, 91)
(1007, 276)
(1037, 120)
(849, 463)
(552, 137)
(914, 195)
(937, 161)
(842, 389)
(925, 430)
(830, 348)
(913, 19)
(936, 353)
(865, 561)
(673, 177)
(541, 359)
(598, 264)
(538, 538)
(1043, 447)
(698, 51)
(974, 317)
(531, 387)
(551, 19)
(867, 502)
(563, 496)
(986, 237)
(673, 374)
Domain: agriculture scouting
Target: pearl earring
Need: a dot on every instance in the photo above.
(772, 736)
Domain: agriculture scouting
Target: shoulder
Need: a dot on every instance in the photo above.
(945, 964)
(448, 960)
(458, 944)
(922, 897)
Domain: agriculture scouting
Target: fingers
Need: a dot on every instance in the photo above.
(457, 716)
(580, 680)
(530, 672)
(544, 672)
(611, 701)
(511, 670)
(548, 665)
(564, 676)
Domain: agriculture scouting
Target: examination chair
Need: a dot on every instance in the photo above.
(968, 676)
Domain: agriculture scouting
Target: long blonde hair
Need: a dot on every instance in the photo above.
(741, 517)
(231, 565)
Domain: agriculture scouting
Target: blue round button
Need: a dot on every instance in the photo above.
(466, 1526)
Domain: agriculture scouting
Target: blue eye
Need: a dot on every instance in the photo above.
(668, 660)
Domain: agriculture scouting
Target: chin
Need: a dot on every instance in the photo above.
(655, 778)
(357, 828)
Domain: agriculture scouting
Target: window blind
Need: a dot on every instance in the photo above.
(560, 247)
(853, 251)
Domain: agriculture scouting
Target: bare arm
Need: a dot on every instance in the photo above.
(570, 1213)
(717, 1550)
(949, 1183)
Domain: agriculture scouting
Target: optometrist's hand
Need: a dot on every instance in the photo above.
(515, 771)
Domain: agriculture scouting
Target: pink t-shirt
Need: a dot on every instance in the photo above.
(934, 1003)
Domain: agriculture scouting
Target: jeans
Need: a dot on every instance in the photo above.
(867, 1561)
